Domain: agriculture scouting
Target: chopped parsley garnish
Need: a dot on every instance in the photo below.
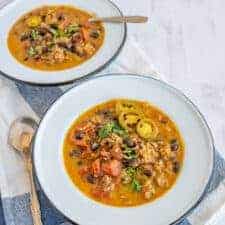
(136, 186)
(106, 130)
(71, 29)
(34, 34)
(109, 128)
(131, 171)
(31, 52)
(57, 32)
(129, 153)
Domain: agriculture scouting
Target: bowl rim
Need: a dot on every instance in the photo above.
(165, 84)
(85, 76)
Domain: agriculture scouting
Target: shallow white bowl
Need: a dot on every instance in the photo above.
(185, 194)
(114, 40)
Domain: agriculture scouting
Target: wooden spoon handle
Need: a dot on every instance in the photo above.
(35, 206)
(120, 19)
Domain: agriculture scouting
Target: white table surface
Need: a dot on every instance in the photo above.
(185, 40)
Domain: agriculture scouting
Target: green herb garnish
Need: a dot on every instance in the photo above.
(131, 171)
(31, 52)
(34, 34)
(117, 129)
(57, 32)
(136, 186)
(106, 130)
(111, 127)
(129, 153)
(71, 29)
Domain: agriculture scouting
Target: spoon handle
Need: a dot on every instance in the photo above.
(35, 206)
(120, 19)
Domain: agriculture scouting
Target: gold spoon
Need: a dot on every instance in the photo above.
(120, 19)
(20, 137)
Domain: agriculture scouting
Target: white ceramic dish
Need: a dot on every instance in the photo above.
(114, 40)
(185, 194)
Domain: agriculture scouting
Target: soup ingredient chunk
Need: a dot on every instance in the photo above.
(55, 38)
(121, 153)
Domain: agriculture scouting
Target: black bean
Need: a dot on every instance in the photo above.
(61, 17)
(90, 179)
(45, 49)
(75, 153)
(42, 31)
(62, 44)
(37, 57)
(125, 163)
(78, 50)
(176, 167)
(129, 142)
(130, 163)
(108, 144)
(134, 162)
(24, 37)
(94, 34)
(94, 146)
(43, 17)
(174, 145)
(148, 173)
(54, 26)
(106, 113)
(79, 135)
(147, 169)
(79, 163)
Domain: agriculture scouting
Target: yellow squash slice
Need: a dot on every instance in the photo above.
(146, 129)
(127, 120)
(34, 21)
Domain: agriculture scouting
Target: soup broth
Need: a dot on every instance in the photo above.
(55, 38)
(123, 153)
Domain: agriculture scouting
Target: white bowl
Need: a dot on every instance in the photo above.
(114, 39)
(175, 204)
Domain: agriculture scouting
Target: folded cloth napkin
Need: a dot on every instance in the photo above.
(19, 99)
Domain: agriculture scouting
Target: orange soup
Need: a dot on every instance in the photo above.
(123, 153)
(55, 38)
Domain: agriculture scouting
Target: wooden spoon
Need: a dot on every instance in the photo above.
(120, 19)
(20, 137)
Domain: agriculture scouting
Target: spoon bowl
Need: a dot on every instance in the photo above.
(21, 132)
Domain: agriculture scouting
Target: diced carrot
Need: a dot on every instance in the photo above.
(87, 24)
(99, 193)
(26, 44)
(86, 154)
(83, 170)
(66, 22)
(96, 168)
(117, 153)
(81, 143)
(85, 34)
(105, 154)
(118, 180)
(112, 168)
